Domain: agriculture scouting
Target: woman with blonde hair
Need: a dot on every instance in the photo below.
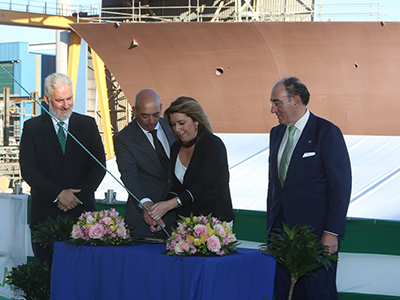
(199, 165)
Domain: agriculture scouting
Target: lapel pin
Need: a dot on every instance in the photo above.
(309, 141)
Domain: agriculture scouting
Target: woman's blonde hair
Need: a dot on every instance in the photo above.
(192, 109)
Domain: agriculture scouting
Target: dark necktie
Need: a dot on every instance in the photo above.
(284, 164)
(160, 151)
(61, 136)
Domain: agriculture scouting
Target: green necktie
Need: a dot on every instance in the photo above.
(284, 164)
(61, 136)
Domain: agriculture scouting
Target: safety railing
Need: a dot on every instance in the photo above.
(224, 11)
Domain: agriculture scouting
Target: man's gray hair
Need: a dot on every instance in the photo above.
(54, 81)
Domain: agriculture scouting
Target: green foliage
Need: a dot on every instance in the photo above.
(298, 251)
(116, 241)
(33, 279)
(53, 230)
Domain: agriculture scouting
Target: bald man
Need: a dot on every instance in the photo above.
(144, 171)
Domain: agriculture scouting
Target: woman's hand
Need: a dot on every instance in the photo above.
(161, 208)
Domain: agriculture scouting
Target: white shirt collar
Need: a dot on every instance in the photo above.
(301, 123)
(146, 131)
(66, 123)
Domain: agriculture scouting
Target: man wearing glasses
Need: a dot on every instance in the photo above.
(309, 182)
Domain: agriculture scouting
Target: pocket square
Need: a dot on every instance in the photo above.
(308, 154)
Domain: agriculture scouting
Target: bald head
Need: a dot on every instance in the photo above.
(147, 109)
(146, 95)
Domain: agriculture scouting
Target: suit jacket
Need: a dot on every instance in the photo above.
(48, 171)
(205, 187)
(317, 188)
(143, 174)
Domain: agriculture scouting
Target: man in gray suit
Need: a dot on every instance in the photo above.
(142, 150)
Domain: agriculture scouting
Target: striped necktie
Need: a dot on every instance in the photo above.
(284, 164)
(61, 136)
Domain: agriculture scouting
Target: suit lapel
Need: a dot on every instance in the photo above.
(275, 144)
(74, 127)
(307, 135)
(142, 140)
(170, 137)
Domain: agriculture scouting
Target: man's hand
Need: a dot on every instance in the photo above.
(330, 240)
(157, 227)
(61, 207)
(147, 218)
(67, 199)
(153, 224)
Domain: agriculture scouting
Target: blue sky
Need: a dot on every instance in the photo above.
(332, 10)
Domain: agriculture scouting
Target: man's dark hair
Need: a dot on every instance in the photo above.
(295, 87)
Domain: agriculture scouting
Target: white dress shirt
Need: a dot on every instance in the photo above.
(164, 142)
(300, 124)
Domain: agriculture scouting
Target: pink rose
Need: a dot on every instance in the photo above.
(200, 230)
(106, 220)
(181, 247)
(96, 231)
(220, 230)
(121, 231)
(225, 240)
(90, 219)
(232, 237)
(77, 232)
(213, 244)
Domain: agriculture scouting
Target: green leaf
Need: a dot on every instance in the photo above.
(33, 279)
(53, 230)
(298, 250)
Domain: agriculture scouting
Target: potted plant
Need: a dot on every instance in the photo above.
(34, 278)
(53, 230)
(298, 250)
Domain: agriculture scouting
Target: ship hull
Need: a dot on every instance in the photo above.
(351, 69)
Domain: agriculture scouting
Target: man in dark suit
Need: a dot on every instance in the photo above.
(62, 176)
(309, 182)
(143, 171)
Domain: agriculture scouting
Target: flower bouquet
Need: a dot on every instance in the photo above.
(201, 236)
(101, 228)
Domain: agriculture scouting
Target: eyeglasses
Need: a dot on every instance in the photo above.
(277, 103)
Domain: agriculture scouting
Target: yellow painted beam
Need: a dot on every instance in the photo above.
(100, 77)
(74, 51)
(16, 18)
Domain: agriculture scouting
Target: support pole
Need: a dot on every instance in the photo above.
(6, 123)
(73, 59)
(100, 76)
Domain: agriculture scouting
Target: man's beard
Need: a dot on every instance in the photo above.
(57, 115)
